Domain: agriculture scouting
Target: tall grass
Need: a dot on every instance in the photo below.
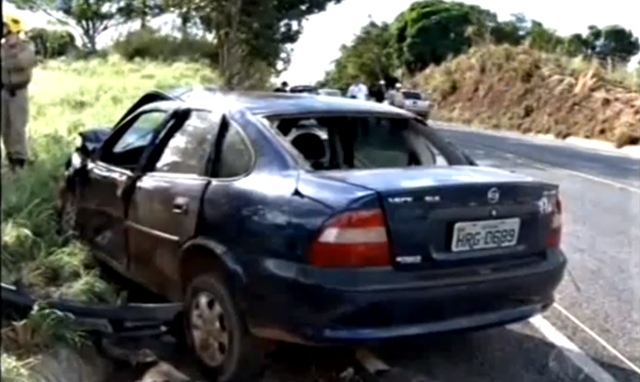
(66, 97)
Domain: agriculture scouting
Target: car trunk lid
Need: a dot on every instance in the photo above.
(446, 216)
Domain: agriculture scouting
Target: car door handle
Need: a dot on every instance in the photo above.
(180, 205)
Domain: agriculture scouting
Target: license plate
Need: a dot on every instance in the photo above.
(469, 236)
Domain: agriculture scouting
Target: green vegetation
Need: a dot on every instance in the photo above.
(522, 89)
(67, 97)
(430, 32)
(515, 74)
(249, 39)
(245, 43)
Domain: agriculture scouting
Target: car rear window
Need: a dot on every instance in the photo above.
(303, 89)
(412, 95)
(327, 143)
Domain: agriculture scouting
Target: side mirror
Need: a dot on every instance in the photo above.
(91, 140)
(86, 150)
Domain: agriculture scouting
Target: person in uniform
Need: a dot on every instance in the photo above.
(18, 61)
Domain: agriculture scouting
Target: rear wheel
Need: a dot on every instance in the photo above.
(217, 333)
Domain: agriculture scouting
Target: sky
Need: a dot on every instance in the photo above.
(325, 32)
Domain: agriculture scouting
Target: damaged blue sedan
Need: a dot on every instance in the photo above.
(308, 219)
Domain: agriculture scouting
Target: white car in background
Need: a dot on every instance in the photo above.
(417, 103)
(330, 92)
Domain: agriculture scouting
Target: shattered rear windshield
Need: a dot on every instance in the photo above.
(334, 142)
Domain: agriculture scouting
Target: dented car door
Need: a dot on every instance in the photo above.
(109, 178)
(165, 204)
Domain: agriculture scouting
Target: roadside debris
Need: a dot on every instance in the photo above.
(370, 362)
(68, 365)
(128, 320)
(164, 372)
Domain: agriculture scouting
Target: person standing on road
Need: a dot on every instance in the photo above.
(378, 92)
(18, 61)
(395, 96)
(358, 91)
(283, 88)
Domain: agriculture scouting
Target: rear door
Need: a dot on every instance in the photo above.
(166, 202)
(105, 191)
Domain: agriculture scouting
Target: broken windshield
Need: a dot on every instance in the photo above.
(345, 142)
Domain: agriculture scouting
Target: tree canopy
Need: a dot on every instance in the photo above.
(369, 57)
(250, 36)
(431, 31)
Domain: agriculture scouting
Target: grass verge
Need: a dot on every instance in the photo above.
(518, 88)
(66, 97)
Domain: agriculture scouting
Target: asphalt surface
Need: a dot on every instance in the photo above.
(601, 200)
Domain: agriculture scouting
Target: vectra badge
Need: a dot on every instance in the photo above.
(493, 196)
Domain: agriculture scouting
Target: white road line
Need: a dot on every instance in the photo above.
(594, 178)
(599, 147)
(571, 350)
(544, 166)
(598, 338)
(545, 326)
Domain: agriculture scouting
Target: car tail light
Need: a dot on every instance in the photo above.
(555, 232)
(352, 239)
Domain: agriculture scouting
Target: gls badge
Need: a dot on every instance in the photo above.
(409, 259)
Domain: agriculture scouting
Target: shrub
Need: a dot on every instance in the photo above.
(66, 96)
(523, 89)
(51, 43)
(150, 44)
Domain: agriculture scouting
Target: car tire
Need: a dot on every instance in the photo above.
(221, 341)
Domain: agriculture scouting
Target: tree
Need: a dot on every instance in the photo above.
(575, 45)
(613, 44)
(88, 18)
(507, 32)
(431, 31)
(141, 10)
(249, 35)
(370, 57)
(541, 38)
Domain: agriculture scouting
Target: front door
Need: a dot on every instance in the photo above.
(165, 205)
(110, 177)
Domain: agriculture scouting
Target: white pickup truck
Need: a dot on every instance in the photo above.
(416, 102)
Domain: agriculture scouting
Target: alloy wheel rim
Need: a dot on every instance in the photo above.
(209, 330)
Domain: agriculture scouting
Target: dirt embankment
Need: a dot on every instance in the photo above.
(517, 88)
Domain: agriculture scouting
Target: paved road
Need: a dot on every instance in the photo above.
(601, 195)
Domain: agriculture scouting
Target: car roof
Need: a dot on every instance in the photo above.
(282, 104)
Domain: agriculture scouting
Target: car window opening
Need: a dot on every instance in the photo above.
(328, 143)
(412, 95)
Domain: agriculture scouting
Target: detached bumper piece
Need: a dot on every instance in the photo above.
(109, 321)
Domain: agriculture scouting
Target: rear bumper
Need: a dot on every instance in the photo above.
(418, 110)
(302, 304)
